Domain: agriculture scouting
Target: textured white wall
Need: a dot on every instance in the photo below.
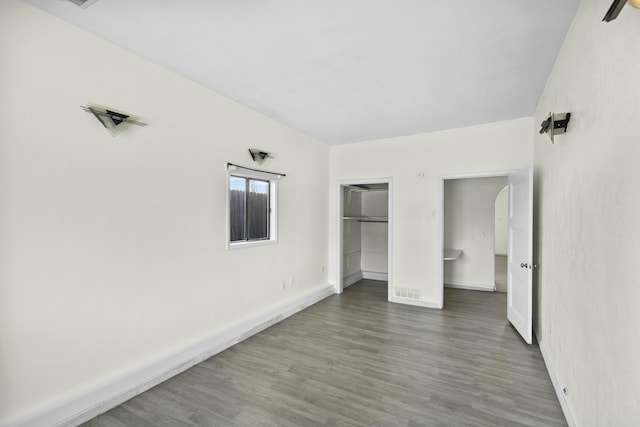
(469, 209)
(588, 218)
(501, 222)
(416, 251)
(113, 249)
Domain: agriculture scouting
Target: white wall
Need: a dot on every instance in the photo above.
(417, 257)
(112, 250)
(587, 218)
(375, 236)
(469, 210)
(501, 222)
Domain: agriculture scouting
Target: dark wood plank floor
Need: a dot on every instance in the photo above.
(357, 360)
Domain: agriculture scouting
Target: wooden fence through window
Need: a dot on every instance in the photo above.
(257, 227)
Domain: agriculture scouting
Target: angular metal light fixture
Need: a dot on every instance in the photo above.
(616, 8)
(258, 155)
(113, 120)
(556, 124)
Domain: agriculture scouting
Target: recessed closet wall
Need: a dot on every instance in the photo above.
(365, 232)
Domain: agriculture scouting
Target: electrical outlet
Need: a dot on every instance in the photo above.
(484, 232)
(282, 286)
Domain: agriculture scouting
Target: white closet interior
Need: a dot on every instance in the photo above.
(365, 232)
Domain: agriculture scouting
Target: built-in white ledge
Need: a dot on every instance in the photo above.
(451, 254)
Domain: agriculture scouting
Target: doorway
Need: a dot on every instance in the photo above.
(469, 232)
(520, 247)
(476, 234)
(364, 232)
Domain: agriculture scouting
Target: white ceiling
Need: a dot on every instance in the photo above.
(348, 70)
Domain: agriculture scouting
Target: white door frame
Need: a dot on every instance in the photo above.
(339, 222)
(440, 213)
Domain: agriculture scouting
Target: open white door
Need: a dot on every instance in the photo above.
(520, 269)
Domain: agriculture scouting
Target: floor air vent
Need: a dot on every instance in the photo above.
(408, 293)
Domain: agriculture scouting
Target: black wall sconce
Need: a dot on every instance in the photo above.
(616, 8)
(258, 155)
(556, 124)
(113, 120)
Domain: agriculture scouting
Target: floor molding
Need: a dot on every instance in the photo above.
(373, 275)
(351, 279)
(470, 286)
(556, 385)
(109, 394)
(419, 303)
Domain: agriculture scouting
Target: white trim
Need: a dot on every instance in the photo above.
(440, 251)
(487, 174)
(471, 286)
(440, 212)
(356, 277)
(351, 279)
(419, 303)
(390, 215)
(373, 275)
(251, 244)
(556, 386)
(102, 397)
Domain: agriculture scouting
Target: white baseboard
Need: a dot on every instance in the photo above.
(416, 302)
(373, 275)
(109, 394)
(470, 286)
(350, 280)
(556, 386)
(356, 277)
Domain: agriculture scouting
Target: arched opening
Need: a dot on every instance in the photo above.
(501, 238)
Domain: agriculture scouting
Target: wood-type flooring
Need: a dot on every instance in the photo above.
(357, 360)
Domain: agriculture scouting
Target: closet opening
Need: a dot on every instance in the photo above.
(364, 234)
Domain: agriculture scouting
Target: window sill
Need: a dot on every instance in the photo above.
(253, 244)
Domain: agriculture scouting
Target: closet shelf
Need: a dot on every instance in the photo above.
(367, 218)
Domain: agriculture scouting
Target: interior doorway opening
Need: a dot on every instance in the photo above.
(469, 232)
(467, 229)
(520, 265)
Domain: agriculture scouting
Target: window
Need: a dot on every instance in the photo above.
(252, 208)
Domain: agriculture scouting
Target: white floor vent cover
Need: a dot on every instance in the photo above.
(408, 293)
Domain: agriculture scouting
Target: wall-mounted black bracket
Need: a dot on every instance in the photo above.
(556, 124)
